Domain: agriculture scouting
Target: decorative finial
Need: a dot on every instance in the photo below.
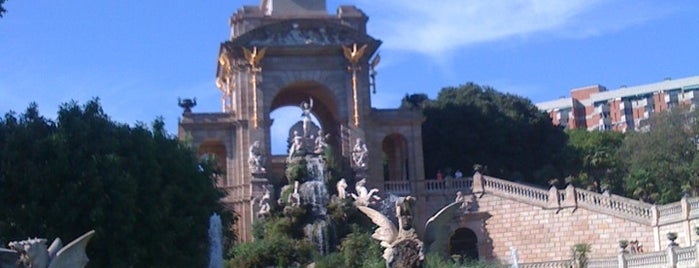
(187, 104)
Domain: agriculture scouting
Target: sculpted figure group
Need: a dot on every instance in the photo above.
(34, 253)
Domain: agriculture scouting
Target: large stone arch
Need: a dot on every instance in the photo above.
(325, 107)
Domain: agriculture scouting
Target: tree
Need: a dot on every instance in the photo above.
(145, 193)
(472, 124)
(2, 9)
(661, 162)
(597, 159)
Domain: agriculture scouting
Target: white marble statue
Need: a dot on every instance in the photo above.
(295, 198)
(364, 197)
(321, 142)
(33, 253)
(264, 204)
(306, 116)
(296, 144)
(342, 188)
(256, 160)
(359, 154)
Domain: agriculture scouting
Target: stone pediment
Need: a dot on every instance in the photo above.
(303, 33)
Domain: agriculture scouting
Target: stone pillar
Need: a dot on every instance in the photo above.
(571, 197)
(687, 228)
(478, 187)
(671, 256)
(554, 200)
(622, 260)
(656, 228)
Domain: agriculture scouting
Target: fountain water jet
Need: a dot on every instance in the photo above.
(215, 246)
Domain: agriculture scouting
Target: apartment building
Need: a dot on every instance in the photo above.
(597, 108)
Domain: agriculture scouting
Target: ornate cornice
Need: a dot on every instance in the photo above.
(301, 34)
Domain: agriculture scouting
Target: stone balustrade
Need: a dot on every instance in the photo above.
(679, 257)
(603, 262)
(397, 187)
(553, 264)
(614, 205)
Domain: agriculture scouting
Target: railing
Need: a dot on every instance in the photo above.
(516, 190)
(397, 187)
(675, 257)
(686, 257)
(432, 186)
(552, 264)
(670, 213)
(603, 262)
(615, 205)
(650, 259)
(693, 207)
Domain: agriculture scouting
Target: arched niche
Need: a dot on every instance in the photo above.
(217, 150)
(395, 157)
(464, 243)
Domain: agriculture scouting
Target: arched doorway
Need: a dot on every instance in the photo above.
(464, 243)
(395, 158)
(217, 150)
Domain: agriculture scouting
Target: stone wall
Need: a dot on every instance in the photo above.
(541, 234)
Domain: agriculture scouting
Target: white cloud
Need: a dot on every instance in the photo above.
(433, 27)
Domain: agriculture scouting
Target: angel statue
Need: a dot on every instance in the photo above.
(33, 253)
(402, 246)
(364, 197)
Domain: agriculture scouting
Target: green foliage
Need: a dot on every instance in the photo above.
(275, 251)
(596, 157)
(360, 250)
(433, 260)
(661, 162)
(580, 252)
(2, 9)
(281, 245)
(296, 171)
(84, 171)
(357, 249)
(472, 124)
(414, 101)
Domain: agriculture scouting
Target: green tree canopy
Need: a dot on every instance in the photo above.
(146, 194)
(474, 124)
(662, 162)
(597, 159)
(2, 9)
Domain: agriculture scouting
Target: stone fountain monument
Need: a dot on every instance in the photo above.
(34, 253)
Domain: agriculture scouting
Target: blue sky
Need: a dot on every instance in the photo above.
(139, 56)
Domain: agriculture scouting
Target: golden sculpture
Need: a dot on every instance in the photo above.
(353, 56)
(224, 83)
(254, 58)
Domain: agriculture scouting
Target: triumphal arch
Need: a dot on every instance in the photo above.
(294, 53)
